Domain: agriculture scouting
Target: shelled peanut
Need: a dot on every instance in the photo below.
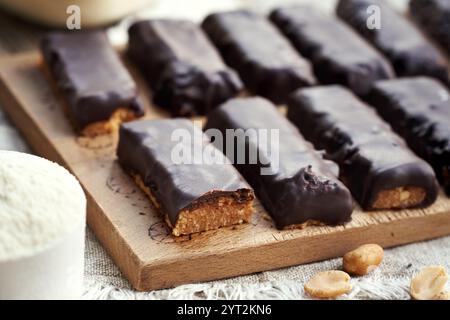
(429, 284)
(328, 284)
(363, 259)
(331, 284)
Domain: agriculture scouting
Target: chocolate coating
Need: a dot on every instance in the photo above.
(434, 17)
(338, 54)
(145, 149)
(265, 60)
(185, 72)
(303, 186)
(372, 158)
(402, 43)
(419, 110)
(91, 76)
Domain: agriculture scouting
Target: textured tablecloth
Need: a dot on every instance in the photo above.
(103, 279)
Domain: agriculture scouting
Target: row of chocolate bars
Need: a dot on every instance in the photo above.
(183, 65)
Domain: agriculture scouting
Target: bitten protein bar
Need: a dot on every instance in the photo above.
(298, 189)
(191, 197)
(375, 163)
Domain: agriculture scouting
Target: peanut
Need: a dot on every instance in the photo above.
(328, 284)
(443, 296)
(428, 283)
(363, 259)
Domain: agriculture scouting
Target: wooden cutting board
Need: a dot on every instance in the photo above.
(136, 238)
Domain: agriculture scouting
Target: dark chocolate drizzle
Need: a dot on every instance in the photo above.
(338, 55)
(410, 53)
(419, 110)
(371, 156)
(145, 149)
(184, 70)
(265, 60)
(88, 71)
(434, 17)
(305, 187)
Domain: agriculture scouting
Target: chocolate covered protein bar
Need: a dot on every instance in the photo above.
(295, 185)
(434, 17)
(375, 163)
(192, 196)
(184, 70)
(99, 91)
(337, 53)
(265, 60)
(409, 52)
(419, 110)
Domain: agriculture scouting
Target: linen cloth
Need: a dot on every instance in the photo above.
(103, 279)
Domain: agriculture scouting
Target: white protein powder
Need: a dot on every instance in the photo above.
(42, 222)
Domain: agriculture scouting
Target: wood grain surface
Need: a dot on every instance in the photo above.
(136, 238)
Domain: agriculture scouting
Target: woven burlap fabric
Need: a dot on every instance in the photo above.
(390, 281)
(103, 279)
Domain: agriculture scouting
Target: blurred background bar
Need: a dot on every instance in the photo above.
(22, 23)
